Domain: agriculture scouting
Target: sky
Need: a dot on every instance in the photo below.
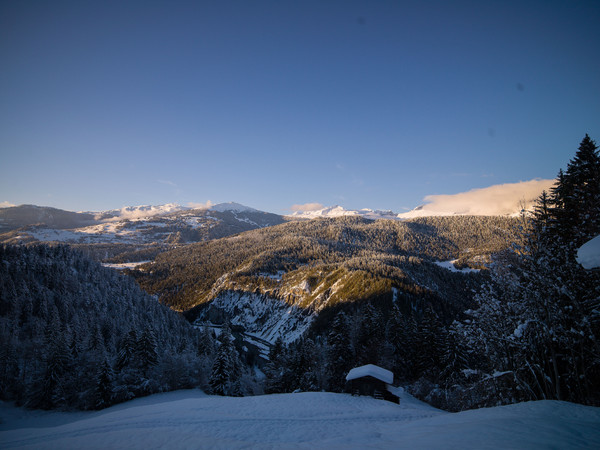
(365, 104)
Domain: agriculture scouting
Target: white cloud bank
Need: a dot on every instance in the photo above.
(6, 205)
(206, 205)
(500, 199)
(307, 207)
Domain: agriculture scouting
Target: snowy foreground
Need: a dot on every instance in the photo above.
(191, 419)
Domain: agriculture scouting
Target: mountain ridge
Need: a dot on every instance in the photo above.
(145, 225)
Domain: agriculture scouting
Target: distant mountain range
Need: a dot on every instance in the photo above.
(508, 200)
(136, 225)
(173, 224)
(339, 211)
(377, 214)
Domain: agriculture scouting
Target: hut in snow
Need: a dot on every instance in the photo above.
(371, 380)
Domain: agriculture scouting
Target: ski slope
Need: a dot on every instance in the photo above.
(191, 419)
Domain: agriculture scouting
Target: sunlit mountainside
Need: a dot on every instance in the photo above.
(135, 233)
(275, 281)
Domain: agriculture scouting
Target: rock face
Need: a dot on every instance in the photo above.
(259, 314)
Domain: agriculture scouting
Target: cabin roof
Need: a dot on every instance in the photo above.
(371, 370)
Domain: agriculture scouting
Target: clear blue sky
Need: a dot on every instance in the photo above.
(359, 103)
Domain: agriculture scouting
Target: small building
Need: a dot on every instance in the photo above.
(371, 380)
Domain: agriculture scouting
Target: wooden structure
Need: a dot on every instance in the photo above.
(371, 380)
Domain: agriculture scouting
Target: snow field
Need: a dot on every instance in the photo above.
(191, 419)
(449, 265)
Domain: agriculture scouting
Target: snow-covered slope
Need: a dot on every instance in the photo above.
(190, 419)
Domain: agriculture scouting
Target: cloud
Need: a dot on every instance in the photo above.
(206, 205)
(500, 199)
(167, 182)
(307, 207)
(6, 205)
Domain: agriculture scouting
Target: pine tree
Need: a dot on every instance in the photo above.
(541, 321)
(49, 391)
(399, 339)
(277, 368)
(206, 343)
(371, 336)
(430, 345)
(146, 350)
(339, 353)
(104, 386)
(221, 373)
(127, 350)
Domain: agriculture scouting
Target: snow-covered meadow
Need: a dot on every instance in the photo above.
(191, 419)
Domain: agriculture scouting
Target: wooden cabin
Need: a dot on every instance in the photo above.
(371, 380)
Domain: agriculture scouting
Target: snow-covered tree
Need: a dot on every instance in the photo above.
(539, 320)
(104, 394)
(221, 374)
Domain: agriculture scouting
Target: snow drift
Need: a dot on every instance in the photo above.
(190, 419)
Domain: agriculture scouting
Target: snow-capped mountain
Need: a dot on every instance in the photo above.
(231, 206)
(146, 224)
(508, 199)
(339, 211)
(138, 212)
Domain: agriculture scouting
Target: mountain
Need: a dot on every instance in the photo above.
(130, 227)
(277, 281)
(232, 206)
(138, 212)
(339, 211)
(508, 199)
(16, 217)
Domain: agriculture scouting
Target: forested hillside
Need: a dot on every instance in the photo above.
(74, 334)
(323, 262)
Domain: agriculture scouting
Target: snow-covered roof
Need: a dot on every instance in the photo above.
(588, 254)
(371, 370)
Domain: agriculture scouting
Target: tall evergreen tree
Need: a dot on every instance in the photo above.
(104, 394)
(542, 318)
(220, 377)
(339, 353)
(146, 350)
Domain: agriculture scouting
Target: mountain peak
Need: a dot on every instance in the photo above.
(140, 211)
(339, 211)
(231, 206)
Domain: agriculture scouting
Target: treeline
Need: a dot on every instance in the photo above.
(74, 334)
